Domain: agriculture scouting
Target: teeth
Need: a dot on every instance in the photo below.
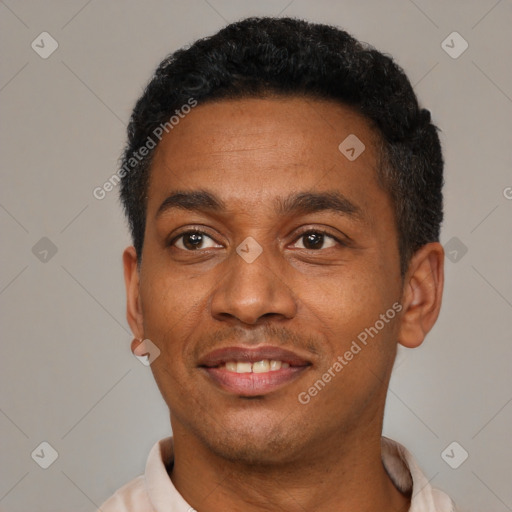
(243, 367)
(262, 366)
(275, 365)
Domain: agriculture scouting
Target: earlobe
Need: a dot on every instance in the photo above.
(133, 302)
(134, 347)
(422, 295)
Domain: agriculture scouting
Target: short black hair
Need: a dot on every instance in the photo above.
(260, 56)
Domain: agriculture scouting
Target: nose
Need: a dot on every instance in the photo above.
(250, 291)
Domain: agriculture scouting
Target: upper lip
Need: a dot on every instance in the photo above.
(252, 355)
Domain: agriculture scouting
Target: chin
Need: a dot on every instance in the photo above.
(258, 444)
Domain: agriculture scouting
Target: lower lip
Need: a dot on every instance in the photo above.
(254, 384)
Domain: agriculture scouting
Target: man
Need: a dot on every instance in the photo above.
(283, 190)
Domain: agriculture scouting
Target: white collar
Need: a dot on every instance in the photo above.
(398, 462)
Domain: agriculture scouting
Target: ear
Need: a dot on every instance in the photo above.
(133, 303)
(422, 295)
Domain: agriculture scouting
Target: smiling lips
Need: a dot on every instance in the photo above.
(252, 371)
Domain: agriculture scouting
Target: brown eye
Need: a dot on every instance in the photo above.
(315, 240)
(193, 240)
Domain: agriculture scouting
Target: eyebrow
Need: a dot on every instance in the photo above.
(297, 203)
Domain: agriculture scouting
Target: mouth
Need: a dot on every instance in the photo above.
(251, 372)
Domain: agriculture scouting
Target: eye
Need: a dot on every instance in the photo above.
(193, 240)
(315, 240)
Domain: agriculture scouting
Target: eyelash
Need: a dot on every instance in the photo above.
(301, 235)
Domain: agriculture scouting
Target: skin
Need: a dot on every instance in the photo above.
(272, 452)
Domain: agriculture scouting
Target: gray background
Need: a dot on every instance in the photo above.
(67, 374)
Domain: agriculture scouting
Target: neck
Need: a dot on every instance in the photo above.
(341, 474)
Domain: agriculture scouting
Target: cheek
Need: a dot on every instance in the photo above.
(350, 297)
(347, 309)
(173, 308)
(170, 312)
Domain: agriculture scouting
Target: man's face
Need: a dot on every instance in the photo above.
(307, 293)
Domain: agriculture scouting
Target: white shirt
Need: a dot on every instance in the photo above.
(155, 492)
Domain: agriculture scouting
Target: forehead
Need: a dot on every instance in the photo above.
(252, 149)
